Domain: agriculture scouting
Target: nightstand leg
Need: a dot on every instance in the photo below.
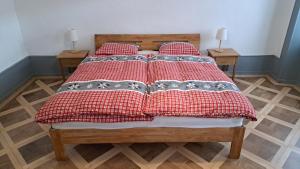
(62, 71)
(233, 71)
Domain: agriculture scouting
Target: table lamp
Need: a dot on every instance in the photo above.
(221, 36)
(73, 38)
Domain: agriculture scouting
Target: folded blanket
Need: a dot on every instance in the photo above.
(102, 89)
(193, 86)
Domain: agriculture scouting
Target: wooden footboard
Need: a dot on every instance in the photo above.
(60, 137)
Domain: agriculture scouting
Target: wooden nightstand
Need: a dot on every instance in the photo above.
(227, 57)
(69, 59)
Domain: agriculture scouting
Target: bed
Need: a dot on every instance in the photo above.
(138, 127)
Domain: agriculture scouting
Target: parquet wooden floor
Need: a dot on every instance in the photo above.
(271, 142)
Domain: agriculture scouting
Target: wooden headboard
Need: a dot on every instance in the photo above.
(147, 41)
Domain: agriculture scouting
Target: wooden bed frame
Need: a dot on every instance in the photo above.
(148, 41)
(235, 135)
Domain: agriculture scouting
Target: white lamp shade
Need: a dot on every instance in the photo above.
(73, 35)
(222, 34)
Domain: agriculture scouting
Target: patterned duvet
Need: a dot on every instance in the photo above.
(193, 86)
(102, 89)
(136, 88)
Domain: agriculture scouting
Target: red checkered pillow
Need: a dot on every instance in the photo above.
(178, 48)
(117, 49)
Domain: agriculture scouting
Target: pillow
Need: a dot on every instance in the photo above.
(178, 48)
(117, 49)
(148, 52)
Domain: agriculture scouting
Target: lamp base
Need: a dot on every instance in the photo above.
(219, 50)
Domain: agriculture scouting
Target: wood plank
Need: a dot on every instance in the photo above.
(143, 135)
(147, 135)
(147, 41)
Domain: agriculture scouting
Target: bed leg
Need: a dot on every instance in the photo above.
(57, 145)
(237, 142)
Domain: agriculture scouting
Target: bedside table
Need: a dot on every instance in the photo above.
(69, 59)
(227, 57)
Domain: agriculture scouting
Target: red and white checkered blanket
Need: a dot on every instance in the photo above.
(136, 88)
(193, 86)
(102, 89)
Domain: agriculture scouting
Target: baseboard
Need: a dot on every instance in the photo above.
(283, 80)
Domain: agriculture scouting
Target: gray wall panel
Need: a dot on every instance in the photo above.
(14, 77)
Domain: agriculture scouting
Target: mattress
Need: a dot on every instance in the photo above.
(179, 122)
(148, 52)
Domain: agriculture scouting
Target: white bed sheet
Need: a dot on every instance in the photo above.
(180, 122)
(148, 52)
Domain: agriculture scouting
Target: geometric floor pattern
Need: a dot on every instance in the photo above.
(271, 142)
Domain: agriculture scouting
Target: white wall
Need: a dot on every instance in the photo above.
(279, 25)
(255, 27)
(11, 41)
